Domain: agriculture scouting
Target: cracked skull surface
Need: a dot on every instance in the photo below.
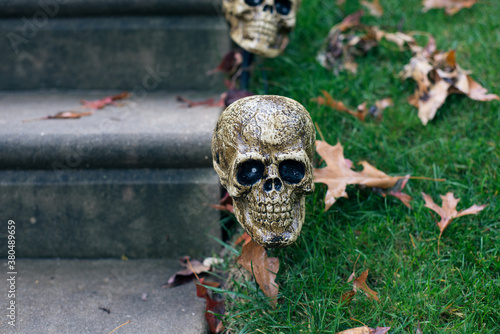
(262, 149)
(261, 26)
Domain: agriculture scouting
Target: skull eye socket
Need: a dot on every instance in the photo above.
(249, 172)
(292, 171)
(283, 7)
(253, 3)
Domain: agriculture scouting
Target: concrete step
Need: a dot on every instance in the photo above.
(46, 51)
(68, 296)
(79, 8)
(130, 181)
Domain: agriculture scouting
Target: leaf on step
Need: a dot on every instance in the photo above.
(212, 307)
(186, 275)
(451, 7)
(109, 100)
(360, 284)
(70, 115)
(230, 63)
(448, 209)
(338, 173)
(365, 330)
(254, 259)
(225, 204)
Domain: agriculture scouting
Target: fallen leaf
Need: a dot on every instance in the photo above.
(226, 204)
(99, 104)
(396, 191)
(448, 210)
(451, 7)
(348, 296)
(438, 75)
(365, 330)
(374, 7)
(212, 307)
(360, 284)
(338, 173)
(254, 259)
(187, 274)
(230, 63)
(245, 238)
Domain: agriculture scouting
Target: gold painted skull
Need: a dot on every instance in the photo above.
(261, 26)
(262, 148)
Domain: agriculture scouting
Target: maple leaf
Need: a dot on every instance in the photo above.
(448, 210)
(212, 307)
(191, 269)
(254, 259)
(451, 6)
(360, 284)
(99, 104)
(374, 7)
(338, 173)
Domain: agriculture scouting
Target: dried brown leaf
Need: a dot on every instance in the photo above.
(254, 259)
(338, 173)
(186, 275)
(366, 330)
(360, 283)
(374, 7)
(451, 7)
(448, 210)
(212, 307)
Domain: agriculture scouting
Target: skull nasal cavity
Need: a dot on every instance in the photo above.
(268, 185)
(268, 7)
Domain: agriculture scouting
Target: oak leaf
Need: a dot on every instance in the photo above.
(448, 209)
(365, 330)
(360, 284)
(186, 275)
(438, 75)
(451, 7)
(338, 173)
(108, 100)
(254, 259)
(212, 307)
(374, 7)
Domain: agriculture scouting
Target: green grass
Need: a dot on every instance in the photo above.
(456, 291)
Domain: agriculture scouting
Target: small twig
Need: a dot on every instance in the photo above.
(359, 321)
(319, 131)
(413, 242)
(128, 322)
(192, 269)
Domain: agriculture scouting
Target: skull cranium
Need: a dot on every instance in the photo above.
(262, 149)
(261, 26)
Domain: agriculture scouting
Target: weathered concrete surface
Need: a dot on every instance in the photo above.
(108, 213)
(152, 130)
(62, 8)
(64, 296)
(112, 52)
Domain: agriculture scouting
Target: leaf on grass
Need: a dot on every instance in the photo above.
(365, 330)
(109, 100)
(338, 173)
(212, 307)
(396, 191)
(448, 210)
(186, 275)
(438, 75)
(361, 110)
(451, 7)
(348, 296)
(254, 259)
(360, 284)
(374, 7)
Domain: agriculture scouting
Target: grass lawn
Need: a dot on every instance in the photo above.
(456, 291)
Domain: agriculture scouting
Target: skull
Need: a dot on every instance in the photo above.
(261, 26)
(262, 150)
